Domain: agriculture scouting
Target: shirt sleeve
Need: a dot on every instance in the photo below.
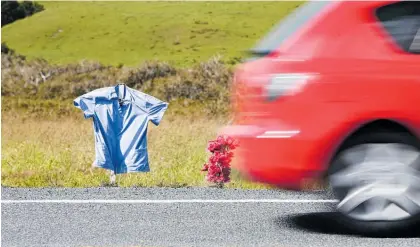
(155, 109)
(85, 103)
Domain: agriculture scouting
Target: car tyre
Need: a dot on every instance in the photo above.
(353, 171)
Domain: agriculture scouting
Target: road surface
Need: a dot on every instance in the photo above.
(177, 217)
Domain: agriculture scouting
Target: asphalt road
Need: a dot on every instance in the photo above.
(168, 217)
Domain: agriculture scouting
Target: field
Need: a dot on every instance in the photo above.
(46, 141)
(131, 32)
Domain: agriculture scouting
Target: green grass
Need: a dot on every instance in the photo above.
(131, 32)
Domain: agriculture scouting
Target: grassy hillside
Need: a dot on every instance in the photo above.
(130, 32)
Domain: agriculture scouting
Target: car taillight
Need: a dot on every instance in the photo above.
(285, 84)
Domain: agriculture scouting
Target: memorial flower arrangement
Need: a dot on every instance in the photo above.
(218, 166)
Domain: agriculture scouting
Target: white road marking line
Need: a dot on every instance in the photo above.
(167, 201)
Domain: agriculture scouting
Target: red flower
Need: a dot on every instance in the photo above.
(213, 146)
(205, 168)
(218, 165)
(229, 140)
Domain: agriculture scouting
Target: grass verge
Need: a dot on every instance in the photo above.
(59, 152)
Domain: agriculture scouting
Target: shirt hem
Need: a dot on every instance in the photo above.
(106, 166)
(123, 171)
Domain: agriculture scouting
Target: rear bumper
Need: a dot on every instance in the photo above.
(280, 156)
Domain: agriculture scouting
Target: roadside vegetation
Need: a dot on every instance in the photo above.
(206, 84)
(180, 52)
(39, 153)
(47, 142)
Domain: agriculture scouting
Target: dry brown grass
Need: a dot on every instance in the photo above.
(207, 82)
(60, 152)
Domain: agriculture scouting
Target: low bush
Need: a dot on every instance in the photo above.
(36, 79)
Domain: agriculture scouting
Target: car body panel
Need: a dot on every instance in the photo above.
(351, 84)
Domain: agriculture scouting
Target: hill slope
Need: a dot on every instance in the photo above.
(131, 32)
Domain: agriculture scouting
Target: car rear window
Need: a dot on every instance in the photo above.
(402, 22)
(288, 26)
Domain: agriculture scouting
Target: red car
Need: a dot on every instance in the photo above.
(333, 93)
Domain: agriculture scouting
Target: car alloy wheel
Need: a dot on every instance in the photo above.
(376, 179)
(381, 182)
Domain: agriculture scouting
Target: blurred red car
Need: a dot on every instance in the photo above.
(333, 92)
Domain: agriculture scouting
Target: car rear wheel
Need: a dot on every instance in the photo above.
(376, 179)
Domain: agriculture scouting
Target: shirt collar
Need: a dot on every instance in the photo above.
(113, 92)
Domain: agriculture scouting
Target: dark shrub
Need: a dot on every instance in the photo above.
(14, 10)
(5, 49)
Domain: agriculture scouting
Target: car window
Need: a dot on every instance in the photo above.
(288, 26)
(402, 22)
